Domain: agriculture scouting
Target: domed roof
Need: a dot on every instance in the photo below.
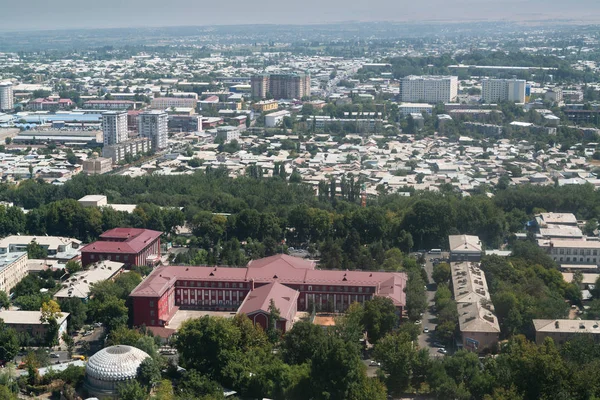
(115, 363)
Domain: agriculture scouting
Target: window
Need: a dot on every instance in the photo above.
(151, 322)
(234, 285)
(220, 284)
(118, 257)
(125, 257)
(227, 284)
(152, 313)
(151, 303)
(92, 256)
(595, 252)
(562, 251)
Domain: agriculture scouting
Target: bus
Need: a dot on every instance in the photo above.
(435, 251)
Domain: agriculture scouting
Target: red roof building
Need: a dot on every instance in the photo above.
(131, 246)
(169, 288)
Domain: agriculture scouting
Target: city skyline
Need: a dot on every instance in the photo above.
(69, 14)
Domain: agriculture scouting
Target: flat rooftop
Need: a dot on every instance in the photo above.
(20, 317)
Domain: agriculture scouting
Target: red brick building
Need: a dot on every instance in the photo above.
(131, 246)
(169, 288)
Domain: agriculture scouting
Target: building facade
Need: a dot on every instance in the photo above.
(114, 127)
(131, 246)
(13, 268)
(170, 288)
(495, 90)
(465, 248)
(97, 166)
(430, 89)
(6, 96)
(28, 322)
(562, 330)
(162, 103)
(154, 126)
(109, 105)
(118, 152)
(281, 86)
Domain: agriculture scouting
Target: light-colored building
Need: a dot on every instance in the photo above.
(275, 118)
(109, 105)
(228, 133)
(93, 200)
(543, 220)
(554, 95)
(465, 248)
(162, 103)
(430, 89)
(478, 326)
(29, 322)
(266, 105)
(54, 245)
(496, 90)
(566, 251)
(468, 282)
(114, 127)
(562, 330)
(281, 86)
(154, 126)
(97, 165)
(6, 96)
(13, 268)
(410, 108)
(80, 283)
(117, 152)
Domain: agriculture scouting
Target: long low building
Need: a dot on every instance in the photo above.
(79, 284)
(132, 246)
(565, 251)
(55, 246)
(562, 330)
(169, 288)
(29, 322)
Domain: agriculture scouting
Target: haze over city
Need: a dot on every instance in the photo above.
(71, 14)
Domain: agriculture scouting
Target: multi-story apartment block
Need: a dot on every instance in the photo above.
(13, 268)
(118, 152)
(281, 86)
(430, 89)
(495, 90)
(154, 125)
(6, 96)
(109, 105)
(114, 127)
(162, 103)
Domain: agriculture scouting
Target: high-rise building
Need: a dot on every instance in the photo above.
(495, 90)
(430, 89)
(6, 96)
(281, 86)
(153, 125)
(114, 127)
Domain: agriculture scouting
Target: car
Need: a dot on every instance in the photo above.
(418, 322)
(88, 333)
(426, 330)
(425, 287)
(374, 363)
(442, 351)
(169, 352)
(54, 355)
(438, 345)
(98, 324)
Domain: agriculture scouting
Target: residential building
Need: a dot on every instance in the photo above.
(568, 251)
(478, 326)
(496, 90)
(266, 105)
(429, 89)
(468, 282)
(321, 122)
(153, 125)
(114, 127)
(93, 200)
(562, 330)
(184, 123)
(554, 95)
(465, 248)
(28, 322)
(275, 118)
(109, 105)
(410, 108)
(50, 104)
(13, 268)
(228, 133)
(97, 166)
(79, 284)
(55, 246)
(281, 86)
(573, 96)
(162, 103)
(133, 147)
(132, 246)
(170, 288)
(6, 96)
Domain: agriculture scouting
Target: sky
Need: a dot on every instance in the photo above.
(76, 14)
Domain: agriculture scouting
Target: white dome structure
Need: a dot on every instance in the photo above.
(111, 366)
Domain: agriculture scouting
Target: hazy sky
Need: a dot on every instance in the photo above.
(64, 14)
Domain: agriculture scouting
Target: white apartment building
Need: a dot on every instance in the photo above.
(419, 108)
(117, 152)
(114, 127)
(153, 125)
(495, 90)
(275, 118)
(6, 96)
(430, 89)
(13, 268)
(567, 251)
(162, 103)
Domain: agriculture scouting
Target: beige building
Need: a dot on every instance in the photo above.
(93, 200)
(80, 283)
(97, 166)
(29, 322)
(117, 152)
(561, 330)
(54, 245)
(565, 251)
(281, 86)
(162, 103)
(429, 88)
(464, 248)
(478, 326)
(13, 268)
(266, 105)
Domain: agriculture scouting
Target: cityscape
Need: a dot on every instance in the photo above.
(365, 210)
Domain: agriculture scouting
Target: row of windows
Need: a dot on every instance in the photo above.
(310, 288)
(109, 257)
(574, 259)
(214, 284)
(581, 252)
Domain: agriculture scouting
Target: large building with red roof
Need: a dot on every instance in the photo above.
(293, 283)
(131, 246)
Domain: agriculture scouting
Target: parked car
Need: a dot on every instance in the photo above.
(54, 355)
(442, 350)
(374, 363)
(438, 345)
(426, 330)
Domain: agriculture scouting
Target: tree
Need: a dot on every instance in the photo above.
(396, 354)
(4, 301)
(9, 343)
(69, 342)
(77, 310)
(274, 316)
(379, 318)
(111, 311)
(194, 385)
(301, 342)
(148, 372)
(35, 251)
(50, 311)
(441, 273)
(164, 391)
(416, 299)
(73, 267)
(131, 390)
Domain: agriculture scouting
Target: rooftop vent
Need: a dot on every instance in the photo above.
(556, 324)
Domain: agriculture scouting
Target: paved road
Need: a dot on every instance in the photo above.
(429, 318)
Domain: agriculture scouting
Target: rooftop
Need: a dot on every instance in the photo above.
(259, 299)
(20, 317)
(464, 243)
(566, 326)
(476, 317)
(468, 282)
(79, 284)
(122, 240)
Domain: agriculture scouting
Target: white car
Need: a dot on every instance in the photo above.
(426, 330)
(442, 350)
(374, 363)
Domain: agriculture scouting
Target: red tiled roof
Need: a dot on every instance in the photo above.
(125, 240)
(259, 300)
(278, 259)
